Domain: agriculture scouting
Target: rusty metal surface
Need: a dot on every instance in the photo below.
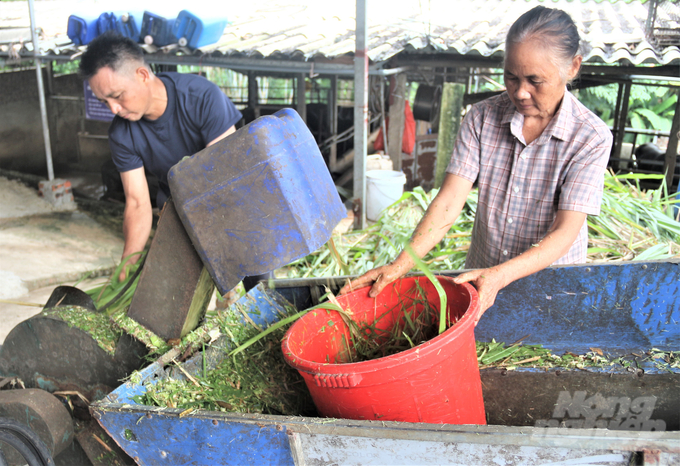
(47, 353)
(43, 413)
(169, 278)
(633, 401)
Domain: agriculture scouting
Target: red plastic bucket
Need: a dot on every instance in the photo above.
(435, 382)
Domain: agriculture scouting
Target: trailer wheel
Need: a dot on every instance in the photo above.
(25, 442)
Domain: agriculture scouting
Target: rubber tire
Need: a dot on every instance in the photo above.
(25, 442)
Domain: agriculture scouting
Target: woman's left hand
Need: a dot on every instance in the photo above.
(488, 283)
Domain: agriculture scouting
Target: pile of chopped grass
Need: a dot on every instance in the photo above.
(97, 325)
(511, 357)
(633, 225)
(255, 380)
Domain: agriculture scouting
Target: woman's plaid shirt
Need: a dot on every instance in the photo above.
(521, 187)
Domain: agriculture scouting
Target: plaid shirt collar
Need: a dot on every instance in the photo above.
(561, 126)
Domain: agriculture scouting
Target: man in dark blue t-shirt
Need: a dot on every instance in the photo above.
(159, 120)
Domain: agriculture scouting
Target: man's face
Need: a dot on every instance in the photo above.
(123, 91)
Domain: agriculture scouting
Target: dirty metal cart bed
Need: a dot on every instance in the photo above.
(622, 309)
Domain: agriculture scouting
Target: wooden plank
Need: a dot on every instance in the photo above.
(672, 149)
(174, 288)
(395, 131)
(449, 122)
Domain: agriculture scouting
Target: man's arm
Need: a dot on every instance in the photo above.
(438, 218)
(222, 136)
(554, 245)
(137, 216)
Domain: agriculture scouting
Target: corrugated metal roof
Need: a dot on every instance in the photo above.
(313, 30)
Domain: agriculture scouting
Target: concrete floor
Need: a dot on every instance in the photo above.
(42, 247)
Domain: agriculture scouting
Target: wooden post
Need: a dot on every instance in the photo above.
(302, 97)
(672, 150)
(620, 123)
(449, 123)
(333, 104)
(395, 132)
(253, 96)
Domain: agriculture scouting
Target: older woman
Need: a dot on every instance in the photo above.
(538, 157)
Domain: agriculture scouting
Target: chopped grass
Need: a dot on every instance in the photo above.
(99, 326)
(497, 354)
(411, 322)
(254, 380)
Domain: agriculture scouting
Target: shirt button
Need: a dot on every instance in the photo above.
(516, 189)
(509, 220)
(505, 253)
(522, 156)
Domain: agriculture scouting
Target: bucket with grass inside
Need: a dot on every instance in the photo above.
(384, 358)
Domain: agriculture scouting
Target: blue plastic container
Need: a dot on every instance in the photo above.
(106, 22)
(82, 28)
(256, 200)
(127, 23)
(194, 31)
(157, 28)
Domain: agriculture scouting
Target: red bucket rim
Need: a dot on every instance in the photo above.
(435, 344)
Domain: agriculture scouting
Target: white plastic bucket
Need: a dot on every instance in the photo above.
(383, 187)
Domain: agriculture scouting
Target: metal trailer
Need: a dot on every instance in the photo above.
(615, 415)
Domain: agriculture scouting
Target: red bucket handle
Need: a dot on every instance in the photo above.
(337, 380)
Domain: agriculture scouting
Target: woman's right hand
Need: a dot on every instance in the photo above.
(378, 277)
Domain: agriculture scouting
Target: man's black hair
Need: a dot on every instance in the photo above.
(109, 49)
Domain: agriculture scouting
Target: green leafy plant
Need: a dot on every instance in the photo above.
(650, 107)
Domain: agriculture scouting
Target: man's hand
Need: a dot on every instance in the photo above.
(488, 283)
(378, 277)
(127, 264)
(137, 217)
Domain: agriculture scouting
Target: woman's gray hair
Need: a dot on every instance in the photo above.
(552, 26)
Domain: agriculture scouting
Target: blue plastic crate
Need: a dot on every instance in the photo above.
(256, 200)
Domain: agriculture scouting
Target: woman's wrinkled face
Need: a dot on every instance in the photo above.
(534, 82)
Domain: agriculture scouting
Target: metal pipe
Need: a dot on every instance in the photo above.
(41, 93)
(67, 97)
(252, 64)
(360, 115)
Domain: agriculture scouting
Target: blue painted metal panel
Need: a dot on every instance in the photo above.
(622, 308)
(163, 438)
(151, 436)
(264, 307)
